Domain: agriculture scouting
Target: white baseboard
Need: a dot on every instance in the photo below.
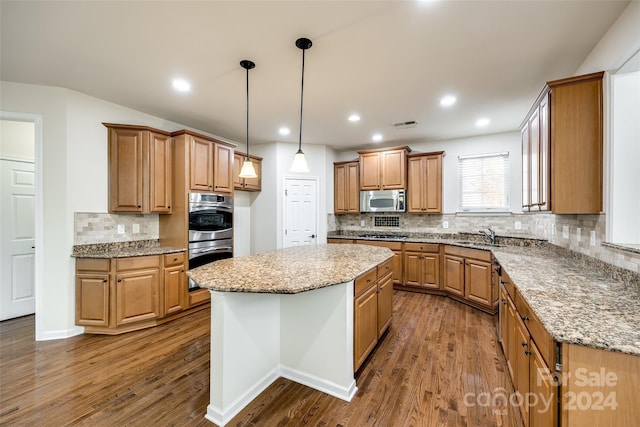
(61, 334)
(320, 384)
(220, 418)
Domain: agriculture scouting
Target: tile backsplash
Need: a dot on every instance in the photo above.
(91, 227)
(572, 232)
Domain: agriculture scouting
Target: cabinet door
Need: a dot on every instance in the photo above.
(201, 162)
(534, 160)
(412, 268)
(385, 303)
(92, 299)
(393, 170)
(370, 172)
(238, 159)
(174, 289)
(544, 189)
(222, 169)
(160, 173)
(504, 325)
(522, 366)
(478, 283)
(512, 343)
(398, 267)
(542, 385)
(126, 164)
(339, 188)
(254, 184)
(526, 190)
(416, 185)
(352, 188)
(365, 324)
(433, 191)
(431, 270)
(454, 275)
(136, 296)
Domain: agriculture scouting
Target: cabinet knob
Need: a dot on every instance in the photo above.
(104, 280)
(524, 344)
(139, 206)
(525, 318)
(368, 280)
(527, 352)
(119, 280)
(504, 301)
(210, 186)
(181, 271)
(169, 207)
(175, 259)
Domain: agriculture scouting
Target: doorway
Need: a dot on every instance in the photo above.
(20, 139)
(300, 212)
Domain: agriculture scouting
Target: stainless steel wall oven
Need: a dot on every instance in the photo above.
(210, 229)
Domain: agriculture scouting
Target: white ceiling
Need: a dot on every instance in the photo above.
(389, 61)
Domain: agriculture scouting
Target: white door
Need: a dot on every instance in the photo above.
(17, 238)
(300, 212)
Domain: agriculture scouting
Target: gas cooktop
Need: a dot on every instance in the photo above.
(383, 236)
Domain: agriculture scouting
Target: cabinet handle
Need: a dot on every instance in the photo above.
(524, 344)
(138, 206)
(527, 352)
(210, 186)
(181, 271)
(104, 280)
(368, 280)
(119, 280)
(169, 207)
(504, 301)
(175, 259)
(525, 318)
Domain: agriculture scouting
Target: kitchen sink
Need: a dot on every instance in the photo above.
(478, 244)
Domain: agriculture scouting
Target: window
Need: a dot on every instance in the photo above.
(484, 182)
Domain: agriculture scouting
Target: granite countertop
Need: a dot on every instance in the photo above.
(578, 299)
(291, 270)
(123, 249)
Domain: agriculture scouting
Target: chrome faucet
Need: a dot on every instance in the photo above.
(489, 234)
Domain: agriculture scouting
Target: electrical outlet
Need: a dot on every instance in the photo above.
(445, 224)
(136, 228)
(120, 228)
(592, 238)
(565, 231)
(579, 234)
(362, 223)
(518, 225)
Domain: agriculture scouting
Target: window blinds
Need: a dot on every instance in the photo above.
(484, 182)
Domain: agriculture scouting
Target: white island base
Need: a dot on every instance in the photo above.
(258, 337)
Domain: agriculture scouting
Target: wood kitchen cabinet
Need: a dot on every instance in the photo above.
(468, 276)
(424, 182)
(383, 169)
(346, 187)
(246, 184)
(385, 297)
(125, 294)
(422, 265)
(329, 240)
(140, 169)
(562, 147)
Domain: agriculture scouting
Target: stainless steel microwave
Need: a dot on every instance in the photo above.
(382, 201)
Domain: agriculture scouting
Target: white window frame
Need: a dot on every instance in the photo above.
(462, 173)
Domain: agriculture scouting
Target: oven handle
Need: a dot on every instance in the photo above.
(201, 251)
(197, 207)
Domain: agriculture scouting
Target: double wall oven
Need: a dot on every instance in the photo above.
(210, 229)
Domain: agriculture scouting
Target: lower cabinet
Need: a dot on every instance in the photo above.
(396, 248)
(372, 310)
(468, 276)
(454, 274)
(422, 265)
(124, 294)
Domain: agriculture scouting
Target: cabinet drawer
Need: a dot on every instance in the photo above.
(365, 280)
(338, 240)
(198, 297)
(478, 254)
(508, 284)
(174, 259)
(542, 338)
(139, 262)
(385, 268)
(421, 247)
(92, 264)
(394, 246)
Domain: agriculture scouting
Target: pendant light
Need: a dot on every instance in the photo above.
(247, 170)
(299, 161)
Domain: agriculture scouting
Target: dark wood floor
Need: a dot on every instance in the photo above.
(436, 352)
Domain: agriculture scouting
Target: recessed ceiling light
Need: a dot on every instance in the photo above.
(354, 118)
(284, 131)
(482, 122)
(377, 137)
(181, 85)
(448, 100)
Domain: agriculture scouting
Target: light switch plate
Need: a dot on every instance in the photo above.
(445, 224)
(565, 231)
(135, 228)
(362, 223)
(592, 238)
(518, 225)
(120, 228)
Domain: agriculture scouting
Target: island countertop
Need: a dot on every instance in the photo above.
(290, 270)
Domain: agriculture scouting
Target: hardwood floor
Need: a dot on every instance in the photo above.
(438, 359)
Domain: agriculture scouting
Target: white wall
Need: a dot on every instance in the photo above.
(241, 223)
(483, 144)
(17, 140)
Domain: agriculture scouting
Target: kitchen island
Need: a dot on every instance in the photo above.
(283, 313)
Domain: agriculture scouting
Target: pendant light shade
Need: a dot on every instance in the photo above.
(247, 170)
(299, 161)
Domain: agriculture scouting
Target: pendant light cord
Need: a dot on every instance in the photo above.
(247, 158)
(301, 99)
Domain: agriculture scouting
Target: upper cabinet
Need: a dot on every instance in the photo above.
(210, 162)
(562, 148)
(383, 169)
(424, 179)
(247, 184)
(346, 187)
(140, 169)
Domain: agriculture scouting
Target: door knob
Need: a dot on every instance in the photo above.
(313, 236)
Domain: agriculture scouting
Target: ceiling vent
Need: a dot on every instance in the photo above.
(405, 125)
